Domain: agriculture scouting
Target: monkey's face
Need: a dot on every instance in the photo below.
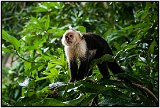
(71, 37)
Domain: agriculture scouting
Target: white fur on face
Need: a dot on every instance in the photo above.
(76, 37)
(76, 49)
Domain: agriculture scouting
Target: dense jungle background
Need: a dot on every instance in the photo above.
(34, 67)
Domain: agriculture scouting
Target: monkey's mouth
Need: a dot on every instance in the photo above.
(69, 42)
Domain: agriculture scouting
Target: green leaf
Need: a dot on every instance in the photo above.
(89, 87)
(109, 82)
(53, 30)
(56, 32)
(58, 5)
(11, 39)
(39, 9)
(81, 29)
(151, 47)
(117, 46)
(116, 101)
(141, 25)
(54, 72)
(31, 88)
(76, 101)
(87, 100)
(5, 50)
(34, 101)
(59, 33)
(42, 78)
(49, 102)
(106, 57)
(23, 92)
(27, 65)
(47, 23)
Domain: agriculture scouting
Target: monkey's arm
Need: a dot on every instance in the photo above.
(73, 69)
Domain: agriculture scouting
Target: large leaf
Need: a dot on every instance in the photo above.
(76, 101)
(27, 65)
(117, 101)
(81, 29)
(88, 100)
(47, 23)
(57, 32)
(106, 57)
(151, 47)
(10, 39)
(49, 102)
(114, 83)
(33, 101)
(89, 87)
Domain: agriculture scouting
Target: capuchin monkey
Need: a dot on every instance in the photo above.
(87, 47)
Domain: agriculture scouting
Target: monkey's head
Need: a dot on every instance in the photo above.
(71, 37)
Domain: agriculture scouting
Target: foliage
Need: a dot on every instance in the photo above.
(39, 75)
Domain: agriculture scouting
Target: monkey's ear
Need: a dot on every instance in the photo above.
(80, 33)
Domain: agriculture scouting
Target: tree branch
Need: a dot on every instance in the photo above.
(147, 90)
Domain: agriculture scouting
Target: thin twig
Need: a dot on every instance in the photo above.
(5, 19)
(147, 90)
(27, 60)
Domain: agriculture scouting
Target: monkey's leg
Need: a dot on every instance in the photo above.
(83, 70)
(73, 70)
(103, 67)
(114, 67)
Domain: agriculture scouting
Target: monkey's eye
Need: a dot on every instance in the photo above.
(71, 36)
(66, 36)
